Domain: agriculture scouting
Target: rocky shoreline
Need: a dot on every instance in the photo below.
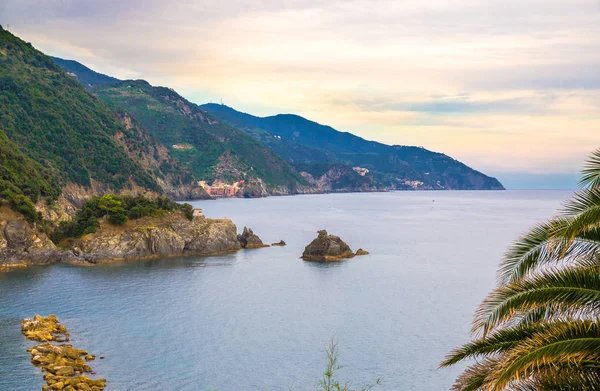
(63, 365)
(168, 235)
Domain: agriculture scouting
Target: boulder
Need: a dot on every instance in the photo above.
(327, 248)
(280, 243)
(248, 239)
(360, 251)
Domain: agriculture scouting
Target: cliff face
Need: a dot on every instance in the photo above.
(326, 178)
(168, 235)
(22, 244)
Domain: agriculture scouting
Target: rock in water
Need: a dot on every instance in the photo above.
(248, 239)
(280, 243)
(360, 251)
(327, 248)
(63, 365)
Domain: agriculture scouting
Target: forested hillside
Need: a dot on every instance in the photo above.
(210, 148)
(54, 133)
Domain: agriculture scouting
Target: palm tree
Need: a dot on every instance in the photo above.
(539, 330)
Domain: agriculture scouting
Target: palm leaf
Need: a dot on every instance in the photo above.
(575, 288)
(547, 244)
(591, 171)
(497, 342)
(570, 343)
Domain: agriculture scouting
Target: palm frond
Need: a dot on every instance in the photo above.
(474, 377)
(497, 342)
(549, 243)
(565, 343)
(573, 288)
(590, 175)
(584, 207)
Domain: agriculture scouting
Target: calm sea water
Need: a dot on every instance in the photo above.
(260, 319)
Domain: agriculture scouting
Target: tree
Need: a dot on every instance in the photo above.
(539, 330)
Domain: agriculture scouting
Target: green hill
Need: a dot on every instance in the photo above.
(301, 141)
(53, 133)
(210, 148)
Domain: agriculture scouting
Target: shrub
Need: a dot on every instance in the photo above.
(117, 209)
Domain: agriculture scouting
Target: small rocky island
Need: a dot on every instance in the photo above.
(329, 248)
(64, 365)
(248, 239)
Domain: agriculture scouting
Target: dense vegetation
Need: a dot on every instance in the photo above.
(539, 330)
(198, 140)
(117, 210)
(53, 132)
(301, 141)
(23, 181)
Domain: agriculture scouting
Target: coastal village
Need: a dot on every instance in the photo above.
(221, 189)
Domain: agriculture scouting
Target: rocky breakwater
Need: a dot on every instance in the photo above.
(168, 235)
(64, 365)
(329, 248)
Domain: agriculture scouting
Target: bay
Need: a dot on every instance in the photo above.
(260, 319)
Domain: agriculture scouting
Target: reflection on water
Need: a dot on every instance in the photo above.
(259, 319)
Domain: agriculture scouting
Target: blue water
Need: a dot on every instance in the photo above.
(260, 319)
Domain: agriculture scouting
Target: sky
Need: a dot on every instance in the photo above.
(510, 88)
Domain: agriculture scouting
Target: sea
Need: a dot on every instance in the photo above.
(261, 319)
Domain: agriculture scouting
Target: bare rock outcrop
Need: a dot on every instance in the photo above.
(248, 239)
(168, 235)
(22, 243)
(327, 248)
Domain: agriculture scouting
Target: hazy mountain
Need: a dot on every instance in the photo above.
(299, 140)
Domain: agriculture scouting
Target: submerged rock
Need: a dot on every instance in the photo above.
(327, 248)
(360, 251)
(280, 243)
(248, 239)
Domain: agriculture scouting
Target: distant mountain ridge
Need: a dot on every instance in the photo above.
(301, 141)
(318, 152)
(85, 75)
(213, 151)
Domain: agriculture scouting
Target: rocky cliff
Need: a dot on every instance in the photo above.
(22, 243)
(169, 235)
